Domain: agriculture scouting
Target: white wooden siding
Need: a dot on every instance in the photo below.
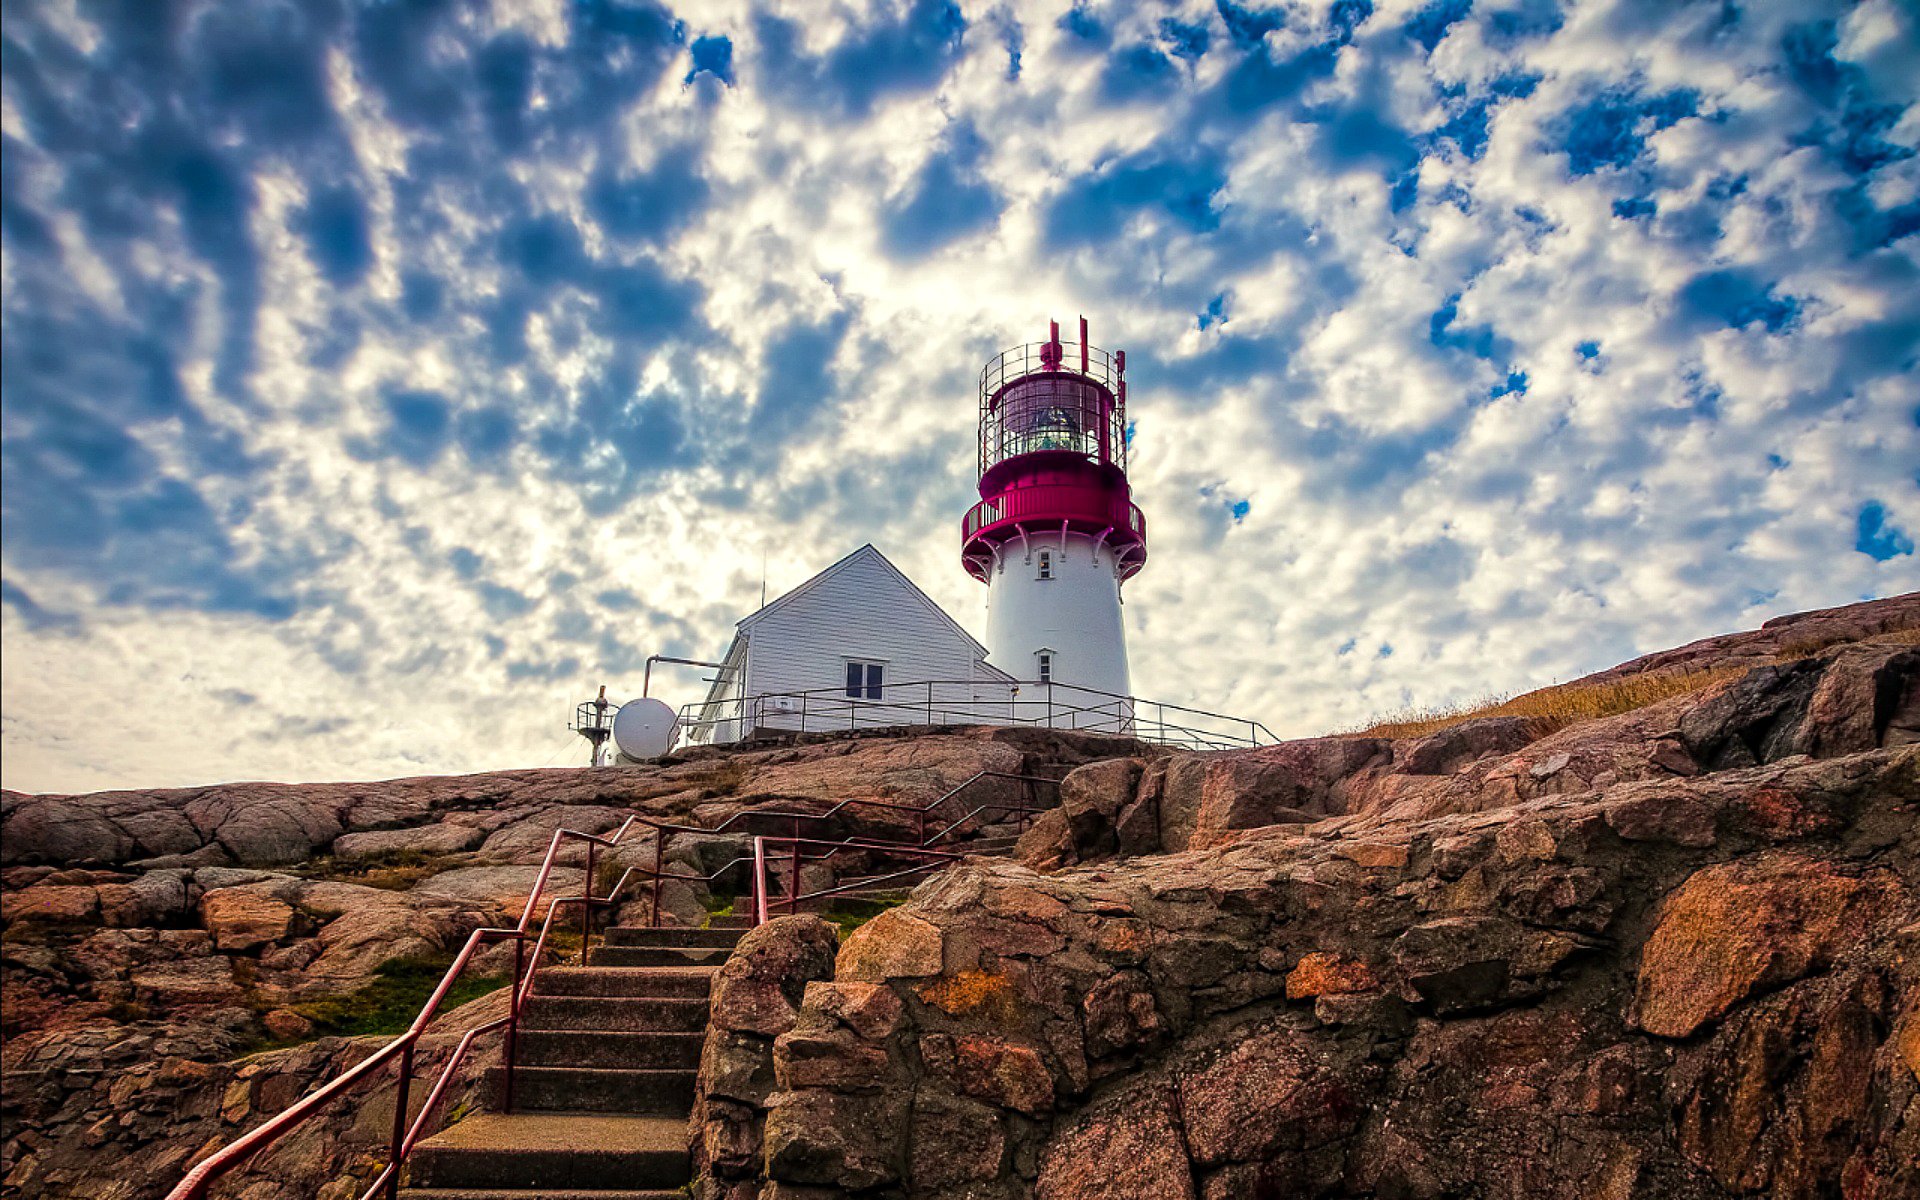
(862, 610)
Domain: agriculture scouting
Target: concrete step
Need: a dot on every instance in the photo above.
(653, 1092)
(607, 1048)
(742, 923)
(552, 1152)
(627, 957)
(640, 935)
(988, 845)
(596, 980)
(614, 1013)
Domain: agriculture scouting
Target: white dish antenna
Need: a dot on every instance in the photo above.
(645, 728)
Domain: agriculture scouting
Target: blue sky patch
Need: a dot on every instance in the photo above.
(1877, 537)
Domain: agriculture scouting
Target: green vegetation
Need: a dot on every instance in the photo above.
(849, 914)
(389, 1004)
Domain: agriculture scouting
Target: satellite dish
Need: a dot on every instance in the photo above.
(645, 728)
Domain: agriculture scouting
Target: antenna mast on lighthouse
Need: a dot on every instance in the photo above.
(1056, 531)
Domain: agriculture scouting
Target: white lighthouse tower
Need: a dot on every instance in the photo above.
(1056, 531)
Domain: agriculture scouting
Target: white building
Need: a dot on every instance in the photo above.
(857, 646)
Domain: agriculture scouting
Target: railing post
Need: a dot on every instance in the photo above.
(586, 905)
(512, 1047)
(759, 881)
(400, 1120)
(653, 914)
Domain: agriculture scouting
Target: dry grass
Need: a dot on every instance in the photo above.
(1570, 703)
(390, 870)
(1559, 707)
(1814, 645)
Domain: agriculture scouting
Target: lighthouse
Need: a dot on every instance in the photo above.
(1056, 531)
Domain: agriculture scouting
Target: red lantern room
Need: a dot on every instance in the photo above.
(1053, 454)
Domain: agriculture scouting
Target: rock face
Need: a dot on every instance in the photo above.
(1669, 953)
(756, 998)
(1843, 699)
(156, 936)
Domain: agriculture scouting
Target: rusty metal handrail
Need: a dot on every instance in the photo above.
(795, 897)
(198, 1180)
(202, 1176)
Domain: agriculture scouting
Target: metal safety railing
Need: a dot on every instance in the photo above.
(407, 1134)
(1042, 705)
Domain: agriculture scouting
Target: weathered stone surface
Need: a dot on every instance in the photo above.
(1002, 1073)
(50, 902)
(753, 1003)
(759, 989)
(244, 918)
(1271, 1092)
(1448, 750)
(1323, 974)
(1130, 1148)
(443, 838)
(1734, 929)
(894, 945)
(955, 1142)
(849, 1141)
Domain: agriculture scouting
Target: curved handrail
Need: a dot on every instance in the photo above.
(201, 1177)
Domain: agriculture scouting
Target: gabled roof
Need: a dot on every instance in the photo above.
(864, 553)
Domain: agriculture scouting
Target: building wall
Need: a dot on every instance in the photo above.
(862, 612)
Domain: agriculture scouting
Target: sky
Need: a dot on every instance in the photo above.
(381, 378)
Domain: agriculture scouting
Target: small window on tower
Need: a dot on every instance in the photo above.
(1046, 666)
(1046, 564)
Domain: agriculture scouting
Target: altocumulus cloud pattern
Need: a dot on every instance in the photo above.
(379, 377)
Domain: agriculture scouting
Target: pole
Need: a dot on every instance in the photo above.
(653, 915)
(400, 1120)
(513, 1018)
(793, 878)
(586, 906)
(759, 881)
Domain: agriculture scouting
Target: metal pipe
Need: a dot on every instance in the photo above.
(512, 1047)
(586, 907)
(400, 1121)
(646, 675)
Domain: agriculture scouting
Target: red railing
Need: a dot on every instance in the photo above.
(406, 1135)
(1055, 501)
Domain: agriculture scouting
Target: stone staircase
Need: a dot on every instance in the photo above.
(608, 1052)
(604, 1083)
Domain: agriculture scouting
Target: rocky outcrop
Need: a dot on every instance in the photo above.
(756, 998)
(191, 925)
(1842, 700)
(121, 1112)
(509, 815)
(1701, 985)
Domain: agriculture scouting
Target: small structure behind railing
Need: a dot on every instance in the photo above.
(1042, 705)
(407, 1134)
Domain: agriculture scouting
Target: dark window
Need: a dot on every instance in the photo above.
(1046, 667)
(1046, 564)
(865, 680)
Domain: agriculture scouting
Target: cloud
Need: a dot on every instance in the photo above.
(451, 359)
